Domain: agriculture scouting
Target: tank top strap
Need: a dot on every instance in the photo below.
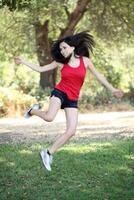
(82, 62)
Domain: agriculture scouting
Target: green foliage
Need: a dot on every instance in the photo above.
(13, 101)
(103, 61)
(102, 97)
(113, 20)
(103, 100)
(113, 54)
(18, 77)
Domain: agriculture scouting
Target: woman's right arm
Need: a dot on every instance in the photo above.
(38, 68)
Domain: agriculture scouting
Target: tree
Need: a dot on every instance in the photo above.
(55, 19)
(112, 20)
(43, 42)
(42, 28)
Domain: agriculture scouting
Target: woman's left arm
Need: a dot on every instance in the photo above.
(101, 78)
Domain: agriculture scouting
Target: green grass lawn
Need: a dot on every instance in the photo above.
(94, 171)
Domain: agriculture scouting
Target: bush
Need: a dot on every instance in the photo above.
(14, 102)
(100, 100)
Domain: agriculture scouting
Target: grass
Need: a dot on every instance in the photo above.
(95, 171)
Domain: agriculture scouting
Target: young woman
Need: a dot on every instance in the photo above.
(71, 54)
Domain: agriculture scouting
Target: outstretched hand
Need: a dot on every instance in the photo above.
(118, 93)
(18, 60)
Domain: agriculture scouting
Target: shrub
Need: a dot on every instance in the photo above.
(14, 102)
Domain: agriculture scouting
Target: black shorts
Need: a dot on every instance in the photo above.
(65, 102)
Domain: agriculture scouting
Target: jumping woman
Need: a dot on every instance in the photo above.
(72, 55)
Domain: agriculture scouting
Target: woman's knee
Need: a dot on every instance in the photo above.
(48, 117)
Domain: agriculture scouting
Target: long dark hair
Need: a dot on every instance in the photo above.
(83, 43)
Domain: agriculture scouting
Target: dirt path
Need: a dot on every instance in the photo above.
(99, 126)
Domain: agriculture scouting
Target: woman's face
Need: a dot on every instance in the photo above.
(65, 49)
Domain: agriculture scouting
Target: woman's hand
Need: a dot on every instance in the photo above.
(18, 60)
(118, 93)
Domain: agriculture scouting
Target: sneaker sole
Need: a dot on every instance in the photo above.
(48, 168)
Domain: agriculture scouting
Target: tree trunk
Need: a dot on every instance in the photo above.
(75, 17)
(48, 79)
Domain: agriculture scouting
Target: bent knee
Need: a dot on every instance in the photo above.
(49, 118)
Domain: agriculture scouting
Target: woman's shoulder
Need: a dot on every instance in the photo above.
(86, 61)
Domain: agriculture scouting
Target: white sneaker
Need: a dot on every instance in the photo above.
(46, 159)
(34, 107)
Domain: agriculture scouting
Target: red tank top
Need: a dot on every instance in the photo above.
(72, 80)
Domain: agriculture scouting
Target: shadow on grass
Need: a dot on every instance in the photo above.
(84, 134)
(96, 171)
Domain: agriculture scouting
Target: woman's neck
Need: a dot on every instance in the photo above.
(73, 58)
(74, 61)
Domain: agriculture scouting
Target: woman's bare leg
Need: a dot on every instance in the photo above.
(54, 106)
(72, 120)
